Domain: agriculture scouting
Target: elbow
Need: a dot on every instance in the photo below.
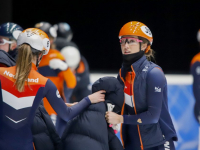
(71, 84)
(155, 120)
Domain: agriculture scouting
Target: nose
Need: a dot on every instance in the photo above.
(126, 44)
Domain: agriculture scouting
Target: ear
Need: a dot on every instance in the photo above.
(40, 56)
(13, 46)
(143, 46)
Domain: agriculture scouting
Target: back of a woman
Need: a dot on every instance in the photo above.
(19, 100)
(23, 88)
(18, 107)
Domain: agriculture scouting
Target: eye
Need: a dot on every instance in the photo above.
(122, 41)
(132, 41)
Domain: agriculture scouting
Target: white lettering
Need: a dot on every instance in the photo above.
(37, 80)
(166, 145)
(6, 72)
(12, 76)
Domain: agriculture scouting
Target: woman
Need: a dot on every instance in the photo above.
(146, 122)
(22, 89)
(54, 67)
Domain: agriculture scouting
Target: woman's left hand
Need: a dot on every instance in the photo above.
(114, 118)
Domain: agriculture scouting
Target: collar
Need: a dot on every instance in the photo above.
(34, 66)
(136, 66)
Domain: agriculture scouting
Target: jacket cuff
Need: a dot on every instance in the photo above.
(88, 100)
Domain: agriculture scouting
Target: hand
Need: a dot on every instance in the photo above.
(97, 97)
(58, 64)
(71, 104)
(114, 118)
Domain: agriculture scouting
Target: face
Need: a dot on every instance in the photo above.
(131, 44)
(4, 44)
(4, 47)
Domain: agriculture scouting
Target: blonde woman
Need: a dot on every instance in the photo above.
(22, 89)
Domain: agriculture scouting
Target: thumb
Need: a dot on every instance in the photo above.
(102, 91)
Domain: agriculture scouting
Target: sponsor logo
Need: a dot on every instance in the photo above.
(146, 31)
(166, 145)
(145, 68)
(139, 120)
(198, 70)
(12, 76)
(58, 94)
(157, 89)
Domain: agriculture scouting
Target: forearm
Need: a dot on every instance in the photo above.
(55, 100)
(148, 117)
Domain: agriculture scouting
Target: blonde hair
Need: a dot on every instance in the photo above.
(151, 53)
(23, 66)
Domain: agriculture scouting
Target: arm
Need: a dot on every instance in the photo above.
(66, 113)
(63, 71)
(155, 85)
(195, 71)
(69, 78)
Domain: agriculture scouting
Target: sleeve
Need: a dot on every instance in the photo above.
(156, 83)
(69, 78)
(55, 100)
(195, 71)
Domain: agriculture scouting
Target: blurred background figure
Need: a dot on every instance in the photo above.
(195, 71)
(75, 61)
(54, 67)
(9, 33)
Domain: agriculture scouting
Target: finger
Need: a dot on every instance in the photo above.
(102, 91)
(102, 100)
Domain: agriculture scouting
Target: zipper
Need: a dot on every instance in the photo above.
(142, 148)
(131, 91)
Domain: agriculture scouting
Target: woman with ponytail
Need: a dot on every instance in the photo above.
(23, 88)
(146, 122)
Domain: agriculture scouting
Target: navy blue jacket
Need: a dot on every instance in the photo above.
(43, 130)
(6, 59)
(195, 71)
(90, 131)
(147, 123)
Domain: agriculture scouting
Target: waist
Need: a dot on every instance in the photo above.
(22, 135)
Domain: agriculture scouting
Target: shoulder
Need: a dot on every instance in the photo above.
(37, 78)
(156, 74)
(6, 71)
(56, 54)
(196, 58)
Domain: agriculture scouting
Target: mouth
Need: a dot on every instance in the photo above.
(127, 52)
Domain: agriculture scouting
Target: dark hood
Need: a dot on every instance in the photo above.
(6, 59)
(114, 91)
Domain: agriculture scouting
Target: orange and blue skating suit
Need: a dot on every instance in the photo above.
(17, 109)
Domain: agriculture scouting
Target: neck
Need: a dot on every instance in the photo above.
(128, 60)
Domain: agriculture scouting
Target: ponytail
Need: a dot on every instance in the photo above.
(151, 53)
(24, 65)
